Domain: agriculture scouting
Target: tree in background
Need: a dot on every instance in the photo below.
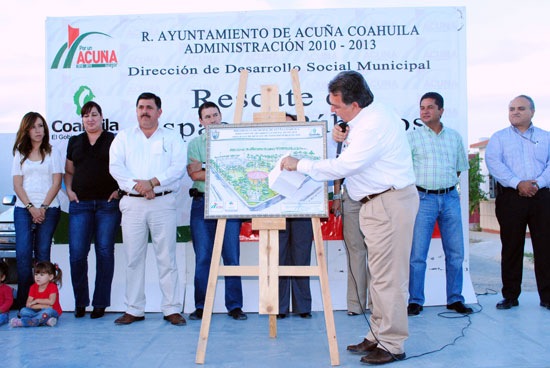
(475, 179)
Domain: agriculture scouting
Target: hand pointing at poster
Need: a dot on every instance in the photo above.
(289, 163)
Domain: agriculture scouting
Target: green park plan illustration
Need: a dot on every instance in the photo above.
(246, 171)
(240, 158)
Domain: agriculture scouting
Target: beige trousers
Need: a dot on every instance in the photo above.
(387, 222)
(358, 276)
(157, 217)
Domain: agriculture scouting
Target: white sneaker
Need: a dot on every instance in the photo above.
(16, 322)
(51, 322)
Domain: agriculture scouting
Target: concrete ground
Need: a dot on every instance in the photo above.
(485, 263)
(518, 337)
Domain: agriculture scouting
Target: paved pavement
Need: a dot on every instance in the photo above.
(485, 263)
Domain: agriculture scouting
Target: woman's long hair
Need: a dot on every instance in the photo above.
(23, 142)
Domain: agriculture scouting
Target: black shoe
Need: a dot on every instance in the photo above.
(237, 314)
(414, 309)
(79, 312)
(281, 316)
(97, 313)
(507, 303)
(305, 315)
(196, 315)
(545, 305)
(459, 307)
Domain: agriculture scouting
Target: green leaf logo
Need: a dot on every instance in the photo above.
(83, 95)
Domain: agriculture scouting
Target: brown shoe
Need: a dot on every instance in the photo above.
(363, 347)
(127, 318)
(379, 356)
(176, 319)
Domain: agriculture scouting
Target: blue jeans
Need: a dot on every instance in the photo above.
(295, 250)
(203, 233)
(99, 220)
(37, 317)
(31, 241)
(4, 318)
(445, 209)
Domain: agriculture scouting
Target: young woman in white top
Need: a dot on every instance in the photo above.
(37, 170)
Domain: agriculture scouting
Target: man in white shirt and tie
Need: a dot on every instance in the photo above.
(378, 169)
(148, 162)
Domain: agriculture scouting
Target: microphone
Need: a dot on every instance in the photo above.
(343, 125)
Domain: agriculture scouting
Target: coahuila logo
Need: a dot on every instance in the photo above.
(87, 57)
(65, 130)
(83, 95)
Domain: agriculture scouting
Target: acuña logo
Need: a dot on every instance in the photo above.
(87, 56)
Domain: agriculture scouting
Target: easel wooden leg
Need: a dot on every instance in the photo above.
(210, 292)
(273, 326)
(325, 292)
(269, 277)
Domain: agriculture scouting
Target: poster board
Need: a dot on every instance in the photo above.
(240, 158)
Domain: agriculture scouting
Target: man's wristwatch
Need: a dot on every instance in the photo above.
(44, 206)
(29, 206)
(336, 196)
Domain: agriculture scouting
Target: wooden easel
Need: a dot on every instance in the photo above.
(268, 269)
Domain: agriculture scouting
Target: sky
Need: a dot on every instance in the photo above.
(508, 49)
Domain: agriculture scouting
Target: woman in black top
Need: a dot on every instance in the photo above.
(93, 211)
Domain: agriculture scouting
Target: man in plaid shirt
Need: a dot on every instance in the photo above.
(438, 158)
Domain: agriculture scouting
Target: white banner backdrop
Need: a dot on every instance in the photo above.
(187, 59)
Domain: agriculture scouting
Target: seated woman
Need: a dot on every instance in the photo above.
(37, 169)
(93, 211)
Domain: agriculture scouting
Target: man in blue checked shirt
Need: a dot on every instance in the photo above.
(518, 157)
(438, 158)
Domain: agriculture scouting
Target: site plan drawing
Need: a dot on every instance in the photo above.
(239, 159)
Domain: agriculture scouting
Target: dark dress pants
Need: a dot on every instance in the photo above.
(295, 250)
(514, 213)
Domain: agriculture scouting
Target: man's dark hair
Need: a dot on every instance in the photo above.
(436, 97)
(149, 96)
(88, 106)
(207, 105)
(292, 117)
(352, 87)
(531, 102)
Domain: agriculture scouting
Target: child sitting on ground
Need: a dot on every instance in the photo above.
(43, 302)
(6, 294)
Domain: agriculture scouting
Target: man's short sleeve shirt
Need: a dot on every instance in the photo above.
(437, 157)
(197, 150)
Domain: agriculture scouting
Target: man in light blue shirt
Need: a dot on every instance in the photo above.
(518, 157)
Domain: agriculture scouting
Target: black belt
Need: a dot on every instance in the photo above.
(139, 195)
(436, 191)
(194, 193)
(372, 196)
